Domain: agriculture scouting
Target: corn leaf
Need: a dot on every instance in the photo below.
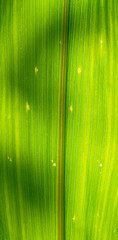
(58, 120)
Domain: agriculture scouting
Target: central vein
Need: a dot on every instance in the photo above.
(62, 103)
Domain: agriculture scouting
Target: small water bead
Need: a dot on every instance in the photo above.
(54, 164)
(27, 107)
(73, 218)
(79, 70)
(71, 108)
(9, 158)
(36, 69)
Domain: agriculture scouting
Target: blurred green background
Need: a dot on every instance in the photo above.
(30, 56)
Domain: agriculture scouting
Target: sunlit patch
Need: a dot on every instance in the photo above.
(54, 164)
(79, 70)
(101, 41)
(71, 108)
(73, 218)
(27, 107)
(52, 161)
(100, 165)
(36, 69)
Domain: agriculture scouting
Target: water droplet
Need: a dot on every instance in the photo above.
(27, 107)
(73, 218)
(9, 158)
(54, 164)
(71, 108)
(79, 70)
(36, 69)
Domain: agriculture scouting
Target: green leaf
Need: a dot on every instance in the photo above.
(58, 120)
